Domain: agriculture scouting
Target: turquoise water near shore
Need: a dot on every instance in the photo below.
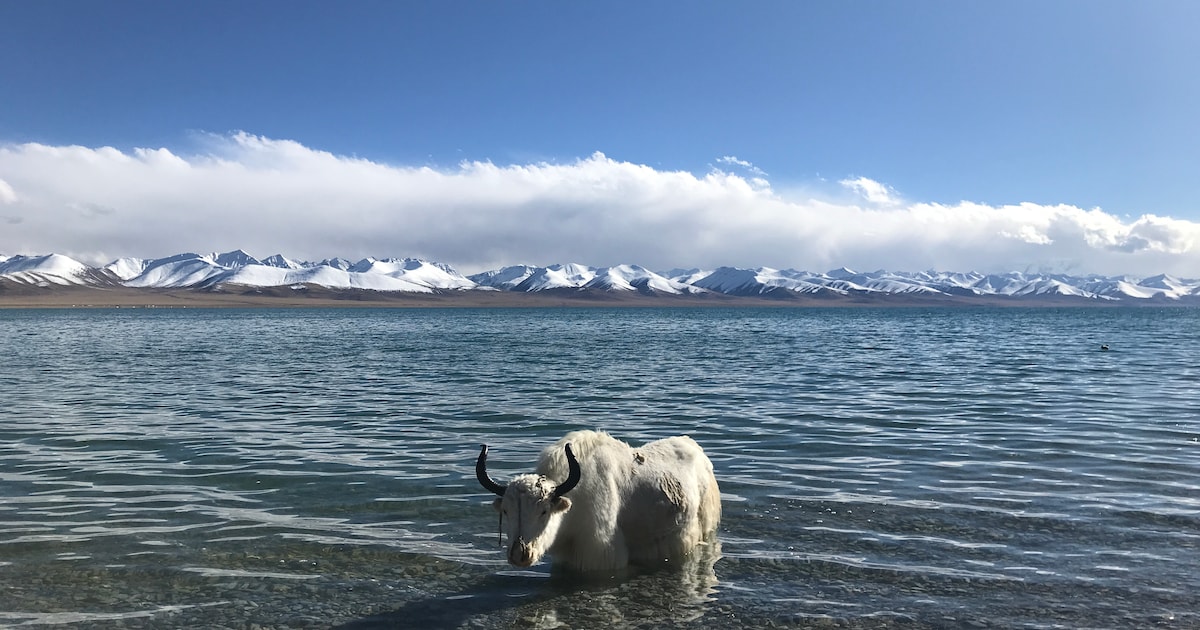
(879, 467)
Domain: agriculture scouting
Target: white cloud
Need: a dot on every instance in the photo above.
(7, 194)
(278, 196)
(749, 167)
(871, 190)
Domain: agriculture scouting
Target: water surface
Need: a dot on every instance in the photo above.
(291, 468)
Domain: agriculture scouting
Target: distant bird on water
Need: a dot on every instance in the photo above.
(1104, 346)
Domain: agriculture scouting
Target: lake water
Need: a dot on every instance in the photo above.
(939, 468)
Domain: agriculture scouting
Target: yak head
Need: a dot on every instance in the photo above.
(531, 508)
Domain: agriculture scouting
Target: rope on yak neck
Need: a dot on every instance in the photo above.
(500, 525)
(499, 534)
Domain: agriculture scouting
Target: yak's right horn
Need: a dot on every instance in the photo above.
(482, 475)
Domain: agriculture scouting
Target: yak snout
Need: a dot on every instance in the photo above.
(520, 554)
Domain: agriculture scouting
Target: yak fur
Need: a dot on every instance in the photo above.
(644, 506)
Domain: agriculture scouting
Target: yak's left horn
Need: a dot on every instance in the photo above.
(573, 474)
(482, 475)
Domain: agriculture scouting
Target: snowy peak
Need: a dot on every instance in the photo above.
(337, 263)
(52, 269)
(764, 281)
(841, 273)
(388, 266)
(126, 268)
(528, 279)
(1163, 281)
(637, 278)
(179, 271)
(569, 276)
(1164, 286)
(505, 278)
(278, 260)
(236, 258)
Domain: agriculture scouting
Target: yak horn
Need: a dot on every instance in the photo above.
(573, 474)
(482, 475)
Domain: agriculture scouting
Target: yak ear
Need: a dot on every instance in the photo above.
(562, 504)
(496, 503)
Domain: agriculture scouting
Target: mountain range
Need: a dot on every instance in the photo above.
(239, 271)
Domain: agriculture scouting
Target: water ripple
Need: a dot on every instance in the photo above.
(192, 468)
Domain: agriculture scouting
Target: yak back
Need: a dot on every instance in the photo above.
(601, 457)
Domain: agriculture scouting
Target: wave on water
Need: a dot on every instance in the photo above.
(316, 467)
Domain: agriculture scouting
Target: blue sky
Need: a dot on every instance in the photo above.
(1089, 105)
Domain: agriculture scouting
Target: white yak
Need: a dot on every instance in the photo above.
(645, 506)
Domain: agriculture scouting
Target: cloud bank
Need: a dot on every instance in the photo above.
(278, 196)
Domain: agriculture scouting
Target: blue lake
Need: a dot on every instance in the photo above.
(267, 468)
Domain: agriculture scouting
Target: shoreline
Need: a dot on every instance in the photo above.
(312, 296)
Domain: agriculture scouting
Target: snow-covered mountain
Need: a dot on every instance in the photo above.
(529, 279)
(230, 270)
(52, 269)
(210, 271)
(760, 281)
(640, 279)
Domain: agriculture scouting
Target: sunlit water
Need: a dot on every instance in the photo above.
(291, 468)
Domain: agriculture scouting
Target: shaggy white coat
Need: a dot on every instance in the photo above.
(644, 506)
